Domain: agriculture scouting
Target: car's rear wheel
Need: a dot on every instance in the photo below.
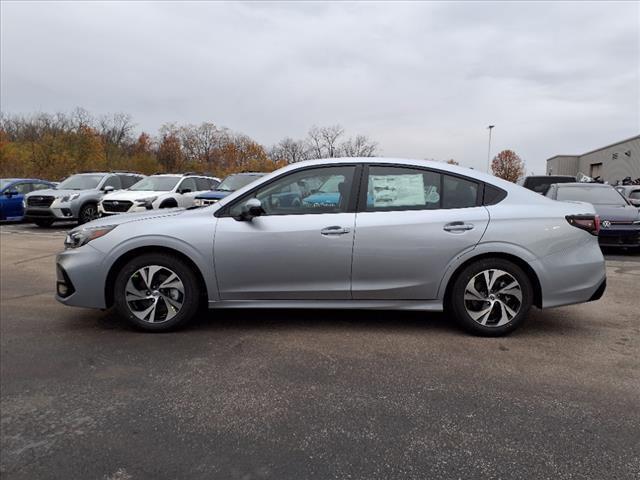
(157, 292)
(43, 222)
(87, 213)
(491, 297)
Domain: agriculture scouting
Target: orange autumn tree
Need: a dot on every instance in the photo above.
(508, 166)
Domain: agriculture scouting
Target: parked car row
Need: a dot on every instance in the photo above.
(86, 196)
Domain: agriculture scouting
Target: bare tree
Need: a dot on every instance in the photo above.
(116, 129)
(290, 150)
(360, 146)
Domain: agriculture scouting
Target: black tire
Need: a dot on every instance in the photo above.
(171, 203)
(461, 308)
(88, 212)
(43, 222)
(190, 300)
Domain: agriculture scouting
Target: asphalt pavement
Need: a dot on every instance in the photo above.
(312, 394)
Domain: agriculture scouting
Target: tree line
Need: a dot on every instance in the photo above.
(53, 146)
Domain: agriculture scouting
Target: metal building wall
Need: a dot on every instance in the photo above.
(562, 165)
(618, 161)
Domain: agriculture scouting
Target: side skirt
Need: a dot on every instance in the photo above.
(425, 305)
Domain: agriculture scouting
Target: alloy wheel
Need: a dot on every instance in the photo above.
(154, 294)
(89, 213)
(493, 298)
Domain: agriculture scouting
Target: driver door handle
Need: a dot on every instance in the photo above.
(457, 227)
(334, 230)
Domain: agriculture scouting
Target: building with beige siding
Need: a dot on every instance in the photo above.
(611, 163)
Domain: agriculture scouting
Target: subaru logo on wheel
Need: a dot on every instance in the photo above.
(606, 224)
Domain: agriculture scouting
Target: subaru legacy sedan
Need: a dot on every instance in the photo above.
(391, 234)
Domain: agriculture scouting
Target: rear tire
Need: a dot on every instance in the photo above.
(43, 223)
(494, 311)
(157, 292)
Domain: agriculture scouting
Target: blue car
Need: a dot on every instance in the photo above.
(12, 192)
(231, 183)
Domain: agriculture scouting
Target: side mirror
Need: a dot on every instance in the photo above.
(10, 193)
(251, 208)
(184, 190)
(108, 189)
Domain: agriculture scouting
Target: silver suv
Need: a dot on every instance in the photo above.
(76, 198)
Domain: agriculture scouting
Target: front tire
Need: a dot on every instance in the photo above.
(157, 292)
(491, 297)
(87, 213)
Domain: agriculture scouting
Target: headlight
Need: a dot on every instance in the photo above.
(198, 202)
(146, 202)
(82, 237)
(69, 198)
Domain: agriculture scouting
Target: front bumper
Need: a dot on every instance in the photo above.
(81, 277)
(56, 211)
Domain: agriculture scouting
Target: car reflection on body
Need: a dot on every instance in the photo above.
(450, 238)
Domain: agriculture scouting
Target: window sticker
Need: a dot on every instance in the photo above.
(398, 190)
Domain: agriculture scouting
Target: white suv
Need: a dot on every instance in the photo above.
(157, 191)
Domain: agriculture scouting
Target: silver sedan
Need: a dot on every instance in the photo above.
(367, 233)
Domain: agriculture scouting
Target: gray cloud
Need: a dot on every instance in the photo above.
(423, 79)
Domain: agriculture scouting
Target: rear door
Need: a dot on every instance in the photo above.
(411, 224)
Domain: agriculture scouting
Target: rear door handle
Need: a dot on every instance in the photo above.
(458, 227)
(334, 230)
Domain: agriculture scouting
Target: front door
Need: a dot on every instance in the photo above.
(299, 249)
(412, 224)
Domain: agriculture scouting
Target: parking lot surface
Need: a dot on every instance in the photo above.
(312, 394)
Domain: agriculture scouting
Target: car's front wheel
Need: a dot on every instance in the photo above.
(88, 213)
(491, 297)
(157, 292)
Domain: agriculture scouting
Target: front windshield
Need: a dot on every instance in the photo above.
(331, 185)
(156, 184)
(235, 182)
(81, 182)
(595, 196)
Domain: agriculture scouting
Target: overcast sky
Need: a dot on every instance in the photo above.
(422, 79)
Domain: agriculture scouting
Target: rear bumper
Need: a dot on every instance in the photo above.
(575, 275)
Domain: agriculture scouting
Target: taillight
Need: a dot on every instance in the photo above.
(590, 223)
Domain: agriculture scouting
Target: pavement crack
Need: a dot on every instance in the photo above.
(34, 258)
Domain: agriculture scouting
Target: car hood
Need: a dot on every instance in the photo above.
(214, 194)
(617, 213)
(131, 217)
(132, 195)
(51, 192)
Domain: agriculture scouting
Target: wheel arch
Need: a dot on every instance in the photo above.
(530, 272)
(168, 203)
(135, 252)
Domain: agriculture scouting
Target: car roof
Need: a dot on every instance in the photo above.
(11, 180)
(583, 184)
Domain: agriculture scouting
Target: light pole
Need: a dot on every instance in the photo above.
(490, 127)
